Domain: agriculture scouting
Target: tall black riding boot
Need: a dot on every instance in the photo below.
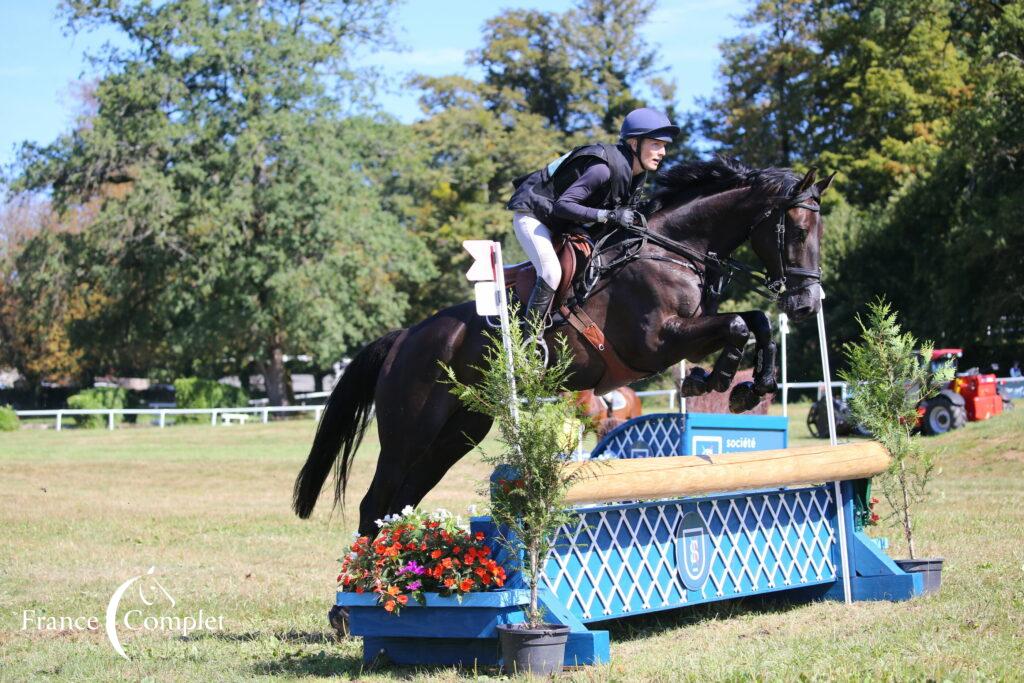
(540, 301)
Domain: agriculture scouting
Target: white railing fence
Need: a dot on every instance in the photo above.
(1011, 387)
(222, 416)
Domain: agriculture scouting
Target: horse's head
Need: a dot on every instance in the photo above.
(788, 242)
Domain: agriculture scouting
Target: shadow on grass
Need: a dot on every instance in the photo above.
(298, 637)
(646, 625)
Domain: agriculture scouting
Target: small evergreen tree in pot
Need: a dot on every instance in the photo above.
(528, 489)
(890, 376)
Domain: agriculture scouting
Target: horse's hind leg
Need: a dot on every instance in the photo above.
(463, 431)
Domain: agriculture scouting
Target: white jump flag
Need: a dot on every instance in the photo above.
(488, 273)
(484, 274)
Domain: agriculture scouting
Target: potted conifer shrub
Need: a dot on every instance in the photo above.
(889, 377)
(527, 490)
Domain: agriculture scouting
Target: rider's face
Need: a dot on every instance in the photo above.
(650, 154)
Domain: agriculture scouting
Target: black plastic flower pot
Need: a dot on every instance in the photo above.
(539, 651)
(930, 567)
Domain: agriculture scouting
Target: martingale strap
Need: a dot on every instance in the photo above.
(616, 372)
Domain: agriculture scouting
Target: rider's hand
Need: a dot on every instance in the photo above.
(622, 217)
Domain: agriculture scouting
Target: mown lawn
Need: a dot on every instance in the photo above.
(83, 511)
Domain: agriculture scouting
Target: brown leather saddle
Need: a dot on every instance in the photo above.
(574, 252)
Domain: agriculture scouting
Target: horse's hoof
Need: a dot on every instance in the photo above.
(695, 384)
(743, 398)
(764, 388)
(338, 617)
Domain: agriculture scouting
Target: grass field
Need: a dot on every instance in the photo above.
(83, 511)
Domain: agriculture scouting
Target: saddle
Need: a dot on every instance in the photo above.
(574, 253)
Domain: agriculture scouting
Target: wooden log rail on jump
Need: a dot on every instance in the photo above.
(600, 481)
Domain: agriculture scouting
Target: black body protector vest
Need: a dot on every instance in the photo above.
(537, 192)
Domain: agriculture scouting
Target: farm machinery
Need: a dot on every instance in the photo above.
(968, 397)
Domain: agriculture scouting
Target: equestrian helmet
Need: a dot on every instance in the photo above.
(648, 123)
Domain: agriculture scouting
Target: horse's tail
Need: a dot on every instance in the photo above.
(342, 425)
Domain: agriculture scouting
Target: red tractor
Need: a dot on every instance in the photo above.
(968, 397)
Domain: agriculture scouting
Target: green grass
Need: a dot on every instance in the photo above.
(82, 511)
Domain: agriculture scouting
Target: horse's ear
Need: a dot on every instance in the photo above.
(825, 183)
(807, 181)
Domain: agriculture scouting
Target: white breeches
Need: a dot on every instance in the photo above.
(536, 240)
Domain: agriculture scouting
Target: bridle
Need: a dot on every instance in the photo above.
(764, 282)
(776, 284)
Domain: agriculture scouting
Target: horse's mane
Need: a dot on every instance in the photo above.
(701, 178)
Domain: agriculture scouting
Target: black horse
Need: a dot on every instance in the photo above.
(655, 299)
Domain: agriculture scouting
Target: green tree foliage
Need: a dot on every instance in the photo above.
(890, 375)
(918, 106)
(761, 111)
(238, 223)
(583, 70)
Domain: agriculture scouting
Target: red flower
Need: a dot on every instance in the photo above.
(466, 585)
(436, 554)
(479, 536)
(403, 599)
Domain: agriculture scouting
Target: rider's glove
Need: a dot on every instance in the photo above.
(622, 217)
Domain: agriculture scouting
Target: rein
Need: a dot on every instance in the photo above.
(639, 236)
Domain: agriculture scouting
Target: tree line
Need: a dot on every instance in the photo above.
(231, 194)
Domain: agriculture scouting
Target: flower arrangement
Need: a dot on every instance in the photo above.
(416, 553)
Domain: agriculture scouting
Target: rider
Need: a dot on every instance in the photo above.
(593, 184)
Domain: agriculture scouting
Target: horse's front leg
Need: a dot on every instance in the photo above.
(764, 352)
(745, 395)
(700, 337)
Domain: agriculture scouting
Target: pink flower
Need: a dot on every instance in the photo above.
(413, 568)
(415, 585)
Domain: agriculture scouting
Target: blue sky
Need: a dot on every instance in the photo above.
(39, 64)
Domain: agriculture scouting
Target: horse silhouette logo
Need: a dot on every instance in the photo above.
(151, 592)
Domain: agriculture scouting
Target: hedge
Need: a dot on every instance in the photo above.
(9, 421)
(97, 398)
(193, 392)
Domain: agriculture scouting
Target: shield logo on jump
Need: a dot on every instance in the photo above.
(693, 551)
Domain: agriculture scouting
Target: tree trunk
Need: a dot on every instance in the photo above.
(534, 580)
(275, 378)
(908, 530)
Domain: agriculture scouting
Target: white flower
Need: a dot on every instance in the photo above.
(471, 509)
(408, 510)
(379, 522)
(353, 555)
(355, 535)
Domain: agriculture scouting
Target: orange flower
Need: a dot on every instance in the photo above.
(393, 590)
(449, 582)
(436, 554)
(403, 599)
(390, 605)
(466, 585)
